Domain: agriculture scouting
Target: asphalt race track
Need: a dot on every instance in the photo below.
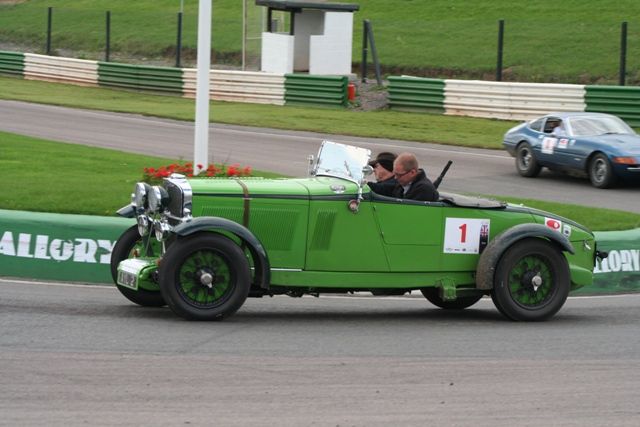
(77, 354)
(286, 152)
(73, 354)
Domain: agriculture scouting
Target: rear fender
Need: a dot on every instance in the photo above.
(212, 224)
(496, 248)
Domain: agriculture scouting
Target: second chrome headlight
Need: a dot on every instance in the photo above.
(158, 199)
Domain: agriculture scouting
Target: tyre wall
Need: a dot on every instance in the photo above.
(236, 86)
(77, 248)
(511, 100)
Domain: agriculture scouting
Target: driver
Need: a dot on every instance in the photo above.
(412, 181)
(383, 170)
(559, 129)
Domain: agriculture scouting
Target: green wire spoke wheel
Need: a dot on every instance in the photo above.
(205, 276)
(532, 280)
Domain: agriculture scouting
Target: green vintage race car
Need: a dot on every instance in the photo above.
(202, 246)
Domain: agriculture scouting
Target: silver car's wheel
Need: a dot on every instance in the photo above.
(600, 172)
(526, 163)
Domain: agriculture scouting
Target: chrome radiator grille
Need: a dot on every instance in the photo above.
(180, 195)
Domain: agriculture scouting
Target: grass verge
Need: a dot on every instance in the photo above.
(69, 178)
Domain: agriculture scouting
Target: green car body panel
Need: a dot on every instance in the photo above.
(314, 239)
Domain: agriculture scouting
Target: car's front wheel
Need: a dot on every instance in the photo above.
(205, 276)
(526, 163)
(600, 172)
(460, 303)
(532, 280)
(130, 242)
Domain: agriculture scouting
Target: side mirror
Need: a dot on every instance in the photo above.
(367, 170)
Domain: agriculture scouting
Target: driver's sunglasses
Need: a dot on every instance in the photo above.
(398, 175)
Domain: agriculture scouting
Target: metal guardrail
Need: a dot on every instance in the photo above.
(622, 101)
(61, 70)
(511, 101)
(416, 94)
(11, 63)
(157, 79)
(303, 89)
(239, 86)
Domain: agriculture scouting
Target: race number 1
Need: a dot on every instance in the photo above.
(465, 235)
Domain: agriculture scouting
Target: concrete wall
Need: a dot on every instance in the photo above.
(308, 23)
(330, 54)
(277, 53)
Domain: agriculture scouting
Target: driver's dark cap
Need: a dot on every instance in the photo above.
(385, 159)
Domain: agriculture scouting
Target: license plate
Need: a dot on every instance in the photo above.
(128, 280)
(129, 271)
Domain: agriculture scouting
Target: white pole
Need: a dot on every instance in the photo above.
(201, 142)
(244, 34)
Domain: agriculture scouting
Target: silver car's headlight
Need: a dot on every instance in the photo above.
(157, 199)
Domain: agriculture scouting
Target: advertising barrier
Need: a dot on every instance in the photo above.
(49, 246)
(77, 248)
(620, 271)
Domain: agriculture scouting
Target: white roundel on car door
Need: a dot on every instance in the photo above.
(465, 235)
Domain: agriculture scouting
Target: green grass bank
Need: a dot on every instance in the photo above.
(545, 41)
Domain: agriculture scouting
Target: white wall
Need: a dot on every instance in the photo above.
(277, 53)
(330, 54)
(308, 23)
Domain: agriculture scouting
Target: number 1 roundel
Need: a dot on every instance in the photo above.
(465, 235)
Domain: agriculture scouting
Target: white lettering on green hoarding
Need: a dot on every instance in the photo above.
(43, 247)
(619, 260)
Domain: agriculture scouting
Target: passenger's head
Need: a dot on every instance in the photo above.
(383, 165)
(405, 168)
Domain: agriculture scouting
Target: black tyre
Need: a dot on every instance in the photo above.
(460, 303)
(124, 248)
(532, 281)
(526, 163)
(600, 172)
(205, 277)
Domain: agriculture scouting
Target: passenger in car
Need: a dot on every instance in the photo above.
(383, 170)
(558, 130)
(412, 181)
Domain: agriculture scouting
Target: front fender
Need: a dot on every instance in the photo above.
(495, 249)
(259, 254)
(128, 211)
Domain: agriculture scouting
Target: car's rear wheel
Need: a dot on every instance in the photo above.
(526, 163)
(532, 281)
(460, 303)
(600, 172)
(129, 242)
(205, 277)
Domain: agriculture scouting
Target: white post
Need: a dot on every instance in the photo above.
(201, 142)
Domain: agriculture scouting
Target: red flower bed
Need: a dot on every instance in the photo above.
(155, 175)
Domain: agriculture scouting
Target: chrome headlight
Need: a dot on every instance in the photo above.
(162, 230)
(143, 225)
(158, 199)
(139, 196)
